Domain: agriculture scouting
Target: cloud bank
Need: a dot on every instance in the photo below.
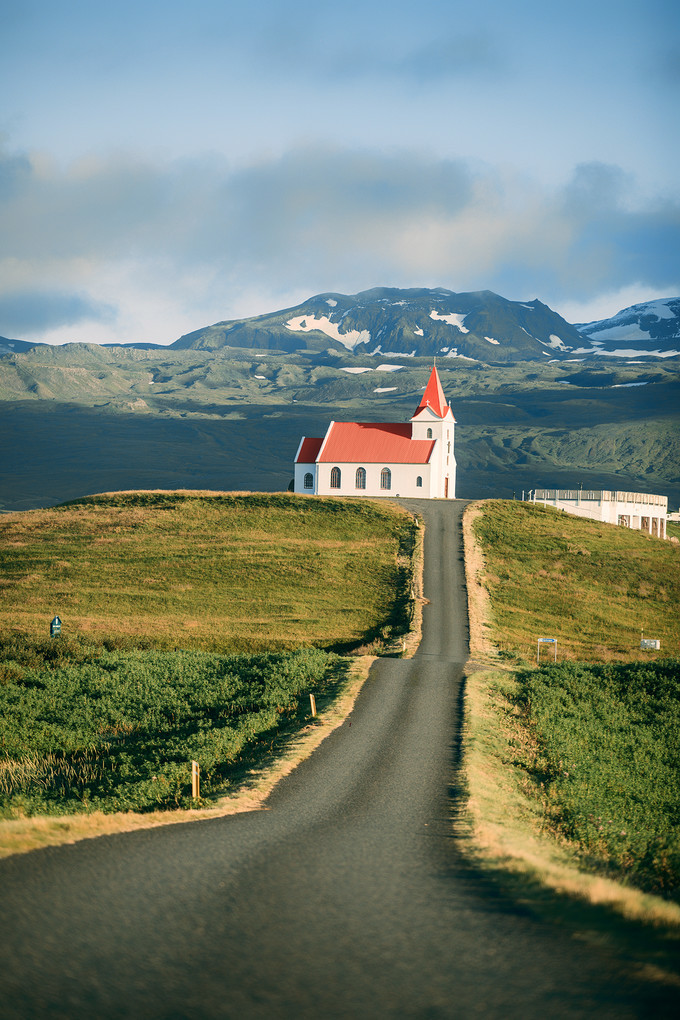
(129, 249)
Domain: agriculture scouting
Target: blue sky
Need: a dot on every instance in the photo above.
(168, 165)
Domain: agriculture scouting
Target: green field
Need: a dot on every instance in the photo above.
(226, 573)
(594, 587)
(194, 625)
(593, 744)
(86, 729)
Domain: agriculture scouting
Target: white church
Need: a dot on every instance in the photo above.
(384, 459)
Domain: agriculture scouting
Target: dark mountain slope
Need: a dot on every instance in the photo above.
(479, 326)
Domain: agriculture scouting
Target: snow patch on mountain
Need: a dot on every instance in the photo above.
(453, 319)
(625, 331)
(306, 323)
(626, 352)
(555, 342)
(491, 340)
(661, 309)
(453, 353)
(653, 325)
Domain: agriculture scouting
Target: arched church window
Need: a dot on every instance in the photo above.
(309, 480)
(385, 478)
(335, 478)
(419, 482)
(360, 481)
(429, 433)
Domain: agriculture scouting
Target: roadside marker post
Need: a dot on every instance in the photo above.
(312, 704)
(546, 641)
(195, 780)
(55, 627)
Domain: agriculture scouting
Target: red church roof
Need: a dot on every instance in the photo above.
(309, 450)
(433, 397)
(370, 443)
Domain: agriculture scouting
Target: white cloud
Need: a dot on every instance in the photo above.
(126, 249)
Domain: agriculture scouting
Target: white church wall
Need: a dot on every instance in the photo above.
(403, 480)
(301, 470)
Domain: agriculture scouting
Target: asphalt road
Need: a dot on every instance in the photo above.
(347, 897)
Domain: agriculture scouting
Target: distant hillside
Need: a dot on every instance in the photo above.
(224, 408)
(650, 328)
(418, 323)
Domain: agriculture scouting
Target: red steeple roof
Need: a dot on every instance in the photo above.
(433, 397)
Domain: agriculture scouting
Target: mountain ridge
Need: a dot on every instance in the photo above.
(421, 322)
(414, 322)
(479, 326)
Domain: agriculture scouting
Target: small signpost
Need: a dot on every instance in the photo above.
(195, 780)
(546, 641)
(312, 705)
(649, 644)
(55, 627)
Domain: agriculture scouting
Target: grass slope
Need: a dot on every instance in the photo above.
(584, 753)
(592, 586)
(608, 739)
(206, 571)
(157, 591)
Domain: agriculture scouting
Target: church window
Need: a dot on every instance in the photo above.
(385, 478)
(309, 480)
(429, 433)
(360, 481)
(335, 478)
(419, 482)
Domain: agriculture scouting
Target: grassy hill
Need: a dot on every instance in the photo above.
(585, 750)
(593, 586)
(194, 628)
(227, 573)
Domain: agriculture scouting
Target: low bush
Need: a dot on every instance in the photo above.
(82, 728)
(608, 739)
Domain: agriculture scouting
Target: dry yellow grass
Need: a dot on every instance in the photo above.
(213, 571)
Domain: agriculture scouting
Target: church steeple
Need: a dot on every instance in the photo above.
(434, 420)
(433, 398)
